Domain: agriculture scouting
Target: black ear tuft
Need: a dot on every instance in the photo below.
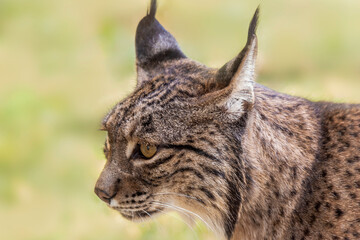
(153, 7)
(226, 73)
(253, 25)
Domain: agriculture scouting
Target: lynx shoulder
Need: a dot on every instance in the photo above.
(250, 162)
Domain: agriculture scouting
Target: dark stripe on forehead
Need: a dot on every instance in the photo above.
(142, 96)
(171, 85)
(128, 106)
(159, 91)
(164, 95)
(186, 93)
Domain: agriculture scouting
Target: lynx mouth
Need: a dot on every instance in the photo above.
(139, 215)
(135, 212)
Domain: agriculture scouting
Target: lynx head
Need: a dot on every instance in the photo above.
(175, 142)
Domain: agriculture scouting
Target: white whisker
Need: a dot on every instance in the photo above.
(148, 214)
(182, 195)
(182, 220)
(183, 210)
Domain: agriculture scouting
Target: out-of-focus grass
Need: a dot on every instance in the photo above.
(63, 64)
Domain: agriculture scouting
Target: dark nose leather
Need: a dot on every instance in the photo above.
(107, 187)
(103, 195)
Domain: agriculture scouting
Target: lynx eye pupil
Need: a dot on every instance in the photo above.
(148, 150)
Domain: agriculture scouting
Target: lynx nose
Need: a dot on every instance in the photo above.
(103, 195)
(107, 187)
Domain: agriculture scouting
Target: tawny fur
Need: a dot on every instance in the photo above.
(250, 162)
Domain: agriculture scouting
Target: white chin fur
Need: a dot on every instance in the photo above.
(114, 203)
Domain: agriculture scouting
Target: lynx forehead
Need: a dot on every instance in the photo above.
(249, 162)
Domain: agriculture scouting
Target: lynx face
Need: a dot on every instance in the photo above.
(171, 145)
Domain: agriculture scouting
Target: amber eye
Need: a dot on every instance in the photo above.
(148, 150)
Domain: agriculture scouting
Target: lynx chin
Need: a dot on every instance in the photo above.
(213, 144)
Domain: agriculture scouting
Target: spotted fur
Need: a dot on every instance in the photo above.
(250, 162)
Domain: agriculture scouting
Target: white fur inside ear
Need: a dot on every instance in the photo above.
(235, 104)
(243, 82)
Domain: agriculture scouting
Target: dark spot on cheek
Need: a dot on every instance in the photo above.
(281, 212)
(312, 219)
(294, 172)
(353, 195)
(277, 194)
(329, 225)
(338, 213)
(317, 206)
(293, 193)
(263, 117)
(348, 173)
(336, 195)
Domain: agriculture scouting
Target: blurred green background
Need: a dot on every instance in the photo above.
(64, 64)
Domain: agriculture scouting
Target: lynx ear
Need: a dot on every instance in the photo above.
(238, 75)
(153, 45)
